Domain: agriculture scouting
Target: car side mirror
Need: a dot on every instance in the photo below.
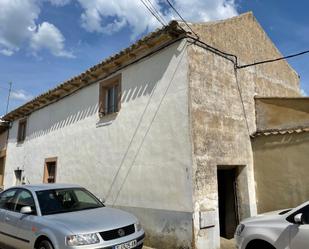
(299, 219)
(26, 210)
(102, 200)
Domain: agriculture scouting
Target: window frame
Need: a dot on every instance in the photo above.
(22, 130)
(45, 175)
(104, 87)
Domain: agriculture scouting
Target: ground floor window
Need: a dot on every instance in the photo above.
(50, 170)
(2, 160)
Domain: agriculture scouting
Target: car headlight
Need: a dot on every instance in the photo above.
(239, 229)
(138, 226)
(82, 239)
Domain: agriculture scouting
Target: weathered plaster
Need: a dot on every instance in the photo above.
(281, 167)
(222, 111)
(281, 113)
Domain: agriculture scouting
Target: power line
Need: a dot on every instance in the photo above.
(153, 13)
(157, 11)
(273, 60)
(8, 101)
(177, 12)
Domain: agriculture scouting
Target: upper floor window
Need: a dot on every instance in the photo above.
(22, 127)
(110, 95)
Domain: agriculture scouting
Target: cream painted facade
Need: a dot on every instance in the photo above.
(185, 121)
(130, 158)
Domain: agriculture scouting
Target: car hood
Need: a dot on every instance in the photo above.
(265, 216)
(92, 220)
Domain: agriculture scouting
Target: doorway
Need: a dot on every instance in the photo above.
(228, 206)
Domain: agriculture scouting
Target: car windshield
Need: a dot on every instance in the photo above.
(55, 201)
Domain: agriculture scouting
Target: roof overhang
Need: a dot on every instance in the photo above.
(143, 47)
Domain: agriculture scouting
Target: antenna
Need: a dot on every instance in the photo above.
(9, 95)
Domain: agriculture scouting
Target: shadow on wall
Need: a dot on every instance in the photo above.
(84, 103)
(72, 117)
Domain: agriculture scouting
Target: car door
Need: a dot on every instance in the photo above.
(299, 233)
(299, 236)
(7, 205)
(25, 223)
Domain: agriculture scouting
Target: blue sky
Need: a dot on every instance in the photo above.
(45, 42)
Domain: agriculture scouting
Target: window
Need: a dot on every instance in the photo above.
(50, 170)
(22, 126)
(7, 199)
(110, 95)
(25, 199)
(2, 160)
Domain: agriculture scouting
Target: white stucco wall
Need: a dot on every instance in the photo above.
(138, 158)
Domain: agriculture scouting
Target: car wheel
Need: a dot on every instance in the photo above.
(45, 244)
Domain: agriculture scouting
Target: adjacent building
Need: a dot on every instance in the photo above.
(166, 129)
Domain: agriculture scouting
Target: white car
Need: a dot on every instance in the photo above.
(285, 229)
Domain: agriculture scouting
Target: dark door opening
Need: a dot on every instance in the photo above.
(228, 212)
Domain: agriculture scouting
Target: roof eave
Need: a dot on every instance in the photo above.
(101, 70)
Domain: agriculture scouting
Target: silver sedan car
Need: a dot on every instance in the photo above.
(57, 216)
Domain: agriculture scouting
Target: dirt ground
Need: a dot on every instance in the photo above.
(225, 244)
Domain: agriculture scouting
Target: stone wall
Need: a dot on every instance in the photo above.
(222, 112)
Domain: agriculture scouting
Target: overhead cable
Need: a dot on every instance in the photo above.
(177, 12)
(273, 60)
(153, 12)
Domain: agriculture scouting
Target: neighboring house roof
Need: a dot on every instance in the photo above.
(281, 132)
(143, 47)
(3, 126)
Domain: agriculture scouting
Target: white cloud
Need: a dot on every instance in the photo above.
(59, 2)
(98, 14)
(47, 36)
(205, 10)
(18, 27)
(15, 18)
(21, 95)
(111, 16)
(303, 92)
(6, 52)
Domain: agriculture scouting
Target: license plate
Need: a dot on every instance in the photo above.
(127, 245)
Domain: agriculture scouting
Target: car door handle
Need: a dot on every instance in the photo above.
(7, 219)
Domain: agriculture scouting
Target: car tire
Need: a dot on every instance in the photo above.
(45, 244)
